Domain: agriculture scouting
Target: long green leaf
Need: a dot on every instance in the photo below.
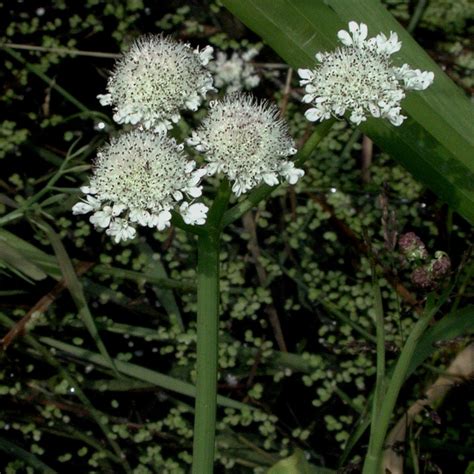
(75, 289)
(13, 259)
(156, 269)
(19, 453)
(436, 142)
(460, 323)
(138, 372)
(454, 325)
(47, 263)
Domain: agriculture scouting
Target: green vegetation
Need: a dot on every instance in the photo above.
(98, 340)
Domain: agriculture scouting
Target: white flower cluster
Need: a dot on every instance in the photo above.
(359, 77)
(245, 140)
(236, 72)
(157, 79)
(138, 179)
(143, 175)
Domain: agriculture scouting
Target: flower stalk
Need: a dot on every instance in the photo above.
(208, 296)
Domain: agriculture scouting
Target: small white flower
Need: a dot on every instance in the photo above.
(84, 207)
(193, 214)
(138, 179)
(290, 173)
(156, 79)
(120, 229)
(246, 141)
(359, 77)
(235, 73)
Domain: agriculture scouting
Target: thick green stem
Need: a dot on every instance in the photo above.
(207, 336)
(207, 343)
(372, 464)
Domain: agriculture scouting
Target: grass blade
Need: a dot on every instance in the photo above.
(19, 453)
(75, 288)
(138, 372)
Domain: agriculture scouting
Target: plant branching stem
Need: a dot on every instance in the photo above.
(208, 303)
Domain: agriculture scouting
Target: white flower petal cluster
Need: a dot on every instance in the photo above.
(359, 77)
(236, 72)
(157, 79)
(138, 179)
(247, 142)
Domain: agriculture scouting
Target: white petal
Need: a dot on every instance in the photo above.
(194, 139)
(100, 218)
(193, 102)
(177, 195)
(308, 98)
(205, 55)
(290, 173)
(163, 221)
(194, 214)
(89, 189)
(81, 208)
(305, 74)
(105, 99)
(353, 27)
(117, 209)
(270, 178)
(312, 115)
(345, 37)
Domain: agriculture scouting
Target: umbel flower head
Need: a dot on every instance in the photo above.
(359, 77)
(236, 72)
(247, 142)
(156, 79)
(138, 178)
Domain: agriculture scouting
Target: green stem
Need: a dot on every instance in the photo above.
(207, 335)
(35, 70)
(417, 14)
(19, 212)
(372, 464)
(263, 191)
(380, 371)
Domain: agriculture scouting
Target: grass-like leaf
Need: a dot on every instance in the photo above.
(140, 373)
(15, 452)
(75, 288)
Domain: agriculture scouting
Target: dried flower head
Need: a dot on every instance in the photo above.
(138, 178)
(412, 247)
(247, 142)
(236, 72)
(359, 77)
(440, 265)
(156, 79)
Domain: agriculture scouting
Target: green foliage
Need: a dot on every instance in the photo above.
(140, 296)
